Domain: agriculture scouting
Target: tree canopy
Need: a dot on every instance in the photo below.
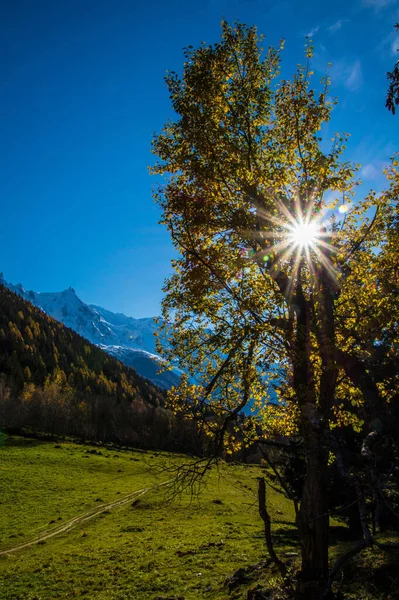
(281, 276)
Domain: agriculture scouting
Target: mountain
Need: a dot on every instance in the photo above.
(39, 350)
(130, 340)
(54, 381)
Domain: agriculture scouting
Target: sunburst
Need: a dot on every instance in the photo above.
(304, 234)
(298, 236)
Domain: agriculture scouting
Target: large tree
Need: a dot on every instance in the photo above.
(250, 196)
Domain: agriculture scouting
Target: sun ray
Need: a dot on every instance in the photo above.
(296, 237)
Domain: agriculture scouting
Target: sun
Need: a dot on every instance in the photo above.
(304, 234)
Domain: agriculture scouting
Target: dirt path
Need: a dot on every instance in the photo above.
(90, 514)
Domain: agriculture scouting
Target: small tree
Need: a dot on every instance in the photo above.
(262, 260)
(393, 90)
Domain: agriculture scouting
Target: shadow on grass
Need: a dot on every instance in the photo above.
(283, 536)
(286, 536)
(337, 534)
(22, 441)
(282, 522)
(373, 574)
(341, 533)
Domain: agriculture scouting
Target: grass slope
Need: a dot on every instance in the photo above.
(146, 549)
(149, 550)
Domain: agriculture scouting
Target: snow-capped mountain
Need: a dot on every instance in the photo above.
(130, 340)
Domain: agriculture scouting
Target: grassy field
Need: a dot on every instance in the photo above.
(145, 549)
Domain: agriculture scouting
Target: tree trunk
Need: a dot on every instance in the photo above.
(354, 524)
(313, 518)
(313, 522)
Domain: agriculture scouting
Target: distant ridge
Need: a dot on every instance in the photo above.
(37, 349)
(130, 340)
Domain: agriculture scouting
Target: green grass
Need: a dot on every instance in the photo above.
(43, 482)
(153, 549)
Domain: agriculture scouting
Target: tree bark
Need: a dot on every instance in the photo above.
(313, 518)
(313, 521)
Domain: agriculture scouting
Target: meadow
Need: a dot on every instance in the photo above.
(148, 547)
(80, 521)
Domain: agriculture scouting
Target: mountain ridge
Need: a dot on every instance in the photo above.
(130, 340)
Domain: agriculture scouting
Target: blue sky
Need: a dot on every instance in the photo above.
(82, 92)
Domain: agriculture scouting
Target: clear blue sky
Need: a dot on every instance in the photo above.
(81, 93)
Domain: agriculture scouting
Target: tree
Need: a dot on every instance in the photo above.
(265, 268)
(393, 90)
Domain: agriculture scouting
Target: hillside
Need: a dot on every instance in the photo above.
(53, 380)
(112, 536)
(132, 341)
(35, 347)
(144, 549)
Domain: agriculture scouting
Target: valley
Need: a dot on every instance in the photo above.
(199, 381)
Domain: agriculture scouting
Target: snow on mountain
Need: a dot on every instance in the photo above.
(130, 340)
(145, 363)
(132, 333)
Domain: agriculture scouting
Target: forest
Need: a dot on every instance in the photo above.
(54, 381)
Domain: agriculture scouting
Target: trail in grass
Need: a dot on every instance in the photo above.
(90, 514)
